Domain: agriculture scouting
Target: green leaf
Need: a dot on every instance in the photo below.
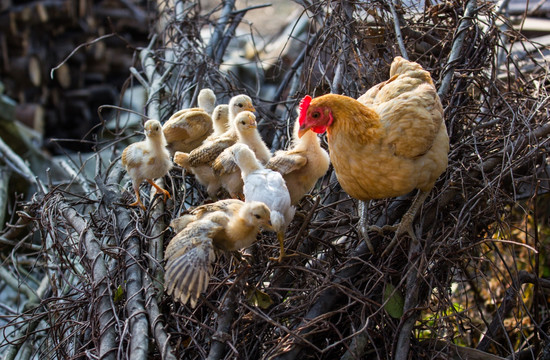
(119, 294)
(259, 298)
(394, 301)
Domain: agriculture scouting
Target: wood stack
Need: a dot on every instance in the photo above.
(37, 36)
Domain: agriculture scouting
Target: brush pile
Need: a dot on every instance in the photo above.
(86, 272)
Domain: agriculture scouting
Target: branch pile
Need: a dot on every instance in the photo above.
(89, 269)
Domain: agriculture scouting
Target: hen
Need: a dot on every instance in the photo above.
(147, 160)
(229, 226)
(200, 160)
(267, 186)
(301, 165)
(386, 143)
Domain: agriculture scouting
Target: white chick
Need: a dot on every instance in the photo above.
(267, 186)
(147, 160)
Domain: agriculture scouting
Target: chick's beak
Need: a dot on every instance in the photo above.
(252, 125)
(250, 108)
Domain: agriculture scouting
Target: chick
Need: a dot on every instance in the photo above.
(220, 120)
(207, 100)
(200, 160)
(301, 165)
(186, 129)
(225, 167)
(224, 115)
(267, 186)
(147, 160)
(189, 256)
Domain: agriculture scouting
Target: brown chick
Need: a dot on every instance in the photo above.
(301, 165)
(186, 129)
(225, 167)
(388, 142)
(147, 160)
(200, 160)
(189, 256)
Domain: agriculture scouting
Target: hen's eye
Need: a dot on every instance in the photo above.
(315, 115)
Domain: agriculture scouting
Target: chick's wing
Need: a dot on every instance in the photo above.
(286, 162)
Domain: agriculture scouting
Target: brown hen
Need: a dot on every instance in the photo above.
(386, 143)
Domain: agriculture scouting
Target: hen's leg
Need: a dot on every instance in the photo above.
(363, 207)
(406, 222)
(159, 189)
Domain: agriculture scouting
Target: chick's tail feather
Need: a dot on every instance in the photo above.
(182, 159)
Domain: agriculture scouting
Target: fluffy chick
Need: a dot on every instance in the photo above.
(267, 186)
(200, 160)
(220, 120)
(147, 160)
(190, 254)
(207, 100)
(186, 129)
(225, 167)
(301, 165)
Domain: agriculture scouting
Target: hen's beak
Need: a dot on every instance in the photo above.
(303, 129)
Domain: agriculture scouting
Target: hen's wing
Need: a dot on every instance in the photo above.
(286, 162)
(189, 258)
(208, 152)
(409, 108)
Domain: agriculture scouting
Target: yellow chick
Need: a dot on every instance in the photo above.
(220, 120)
(147, 160)
(190, 254)
(301, 165)
(200, 160)
(225, 167)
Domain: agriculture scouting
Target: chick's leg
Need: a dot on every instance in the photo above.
(138, 200)
(159, 189)
(405, 226)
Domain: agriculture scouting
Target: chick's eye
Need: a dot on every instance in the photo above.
(257, 216)
(240, 105)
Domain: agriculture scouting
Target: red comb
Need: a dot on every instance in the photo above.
(304, 104)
